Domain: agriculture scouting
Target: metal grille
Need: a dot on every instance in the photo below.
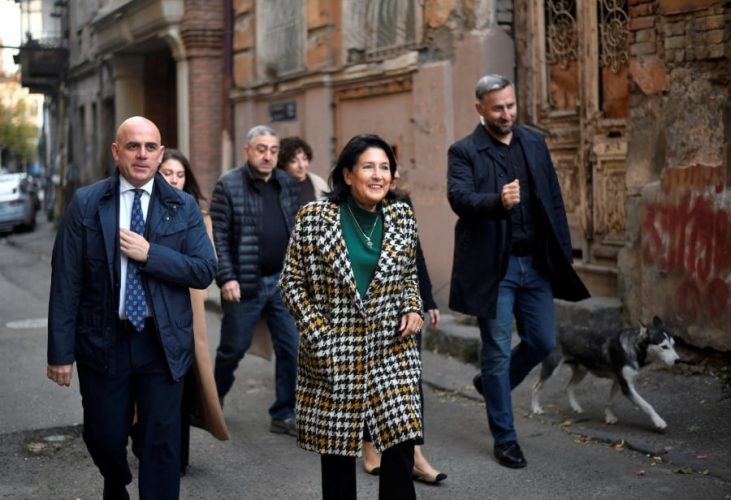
(613, 34)
(561, 32)
(280, 37)
(391, 26)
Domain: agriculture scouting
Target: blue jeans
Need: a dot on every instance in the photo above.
(526, 294)
(237, 332)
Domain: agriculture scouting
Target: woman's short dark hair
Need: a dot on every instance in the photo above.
(349, 157)
(288, 149)
(191, 185)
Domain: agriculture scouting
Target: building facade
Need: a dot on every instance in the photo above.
(632, 97)
(326, 70)
(162, 59)
(635, 96)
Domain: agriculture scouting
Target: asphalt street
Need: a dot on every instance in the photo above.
(42, 455)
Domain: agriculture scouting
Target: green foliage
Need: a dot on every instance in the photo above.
(18, 136)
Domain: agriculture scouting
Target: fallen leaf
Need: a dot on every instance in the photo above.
(36, 447)
(684, 470)
(618, 446)
(565, 423)
(640, 472)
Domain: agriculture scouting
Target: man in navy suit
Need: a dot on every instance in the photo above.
(120, 308)
(512, 252)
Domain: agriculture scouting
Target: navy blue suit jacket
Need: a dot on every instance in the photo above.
(84, 302)
(475, 179)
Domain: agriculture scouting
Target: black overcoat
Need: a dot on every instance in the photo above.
(475, 178)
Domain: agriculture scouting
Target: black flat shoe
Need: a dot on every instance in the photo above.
(420, 475)
(375, 471)
(477, 382)
(509, 455)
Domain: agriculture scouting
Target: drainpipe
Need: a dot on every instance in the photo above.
(227, 137)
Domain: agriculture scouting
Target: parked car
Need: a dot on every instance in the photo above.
(19, 202)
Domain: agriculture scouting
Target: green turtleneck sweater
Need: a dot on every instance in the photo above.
(358, 226)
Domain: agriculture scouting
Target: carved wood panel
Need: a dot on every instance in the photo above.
(609, 196)
(578, 90)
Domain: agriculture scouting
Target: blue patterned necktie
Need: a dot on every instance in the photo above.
(135, 305)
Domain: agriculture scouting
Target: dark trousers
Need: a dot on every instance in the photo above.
(395, 480)
(526, 295)
(142, 379)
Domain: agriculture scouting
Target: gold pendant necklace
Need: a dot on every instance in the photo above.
(366, 236)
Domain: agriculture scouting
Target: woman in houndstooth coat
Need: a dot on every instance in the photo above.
(349, 280)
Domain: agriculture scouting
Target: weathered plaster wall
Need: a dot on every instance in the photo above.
(419, 98)
(677, 259)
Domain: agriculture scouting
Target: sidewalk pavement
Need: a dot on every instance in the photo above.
(693, 401)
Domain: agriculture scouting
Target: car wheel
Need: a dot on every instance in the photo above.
(31, 224)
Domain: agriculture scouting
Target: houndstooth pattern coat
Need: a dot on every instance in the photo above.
(353, 369)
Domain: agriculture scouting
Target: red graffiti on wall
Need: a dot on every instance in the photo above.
(693, 239)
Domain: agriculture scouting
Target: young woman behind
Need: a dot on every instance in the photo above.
(294, 158)
(201, 407)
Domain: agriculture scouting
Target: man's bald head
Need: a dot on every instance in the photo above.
(137, 150)
(136, 121)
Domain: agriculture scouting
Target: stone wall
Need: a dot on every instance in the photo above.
(677, 258)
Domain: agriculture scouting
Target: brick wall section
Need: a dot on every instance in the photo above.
(244, 50)
(323, 37)
(202, 30)
(679, 79)
(688, 31)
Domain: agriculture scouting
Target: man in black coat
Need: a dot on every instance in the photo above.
(512, 252)
(252, 210)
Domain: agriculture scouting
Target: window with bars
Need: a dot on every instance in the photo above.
(613, 57)
(382, 28)
(280, 37)
(562, 39)
(562, 48)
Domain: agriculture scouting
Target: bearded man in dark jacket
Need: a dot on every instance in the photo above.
(252, 210)
(512, 251)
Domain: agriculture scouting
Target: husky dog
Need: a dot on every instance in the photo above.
(615, 355)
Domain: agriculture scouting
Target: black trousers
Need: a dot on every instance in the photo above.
(395, 480)
(141, 378)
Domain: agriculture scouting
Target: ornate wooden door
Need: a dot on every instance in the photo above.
(573, 84)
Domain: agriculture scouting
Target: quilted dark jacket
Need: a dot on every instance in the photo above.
(236, 213)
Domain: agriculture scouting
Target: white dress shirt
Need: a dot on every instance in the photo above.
(126, 199)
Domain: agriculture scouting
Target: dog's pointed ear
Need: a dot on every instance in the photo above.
(656, 322)
(643, 332)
